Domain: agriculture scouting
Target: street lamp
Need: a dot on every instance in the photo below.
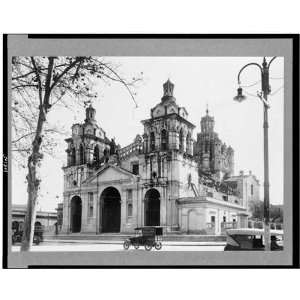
(263, 96)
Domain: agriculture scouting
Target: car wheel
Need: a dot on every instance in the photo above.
(148, 247)
(158, 245)
(126, 245)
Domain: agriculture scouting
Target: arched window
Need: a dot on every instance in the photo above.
(106, 155)
(206, 147)
(37, 225)
(73, 156)
(188, 143)
(152, 141)
(180, 140)
(164, 140)
(81, 154)
(96, 154)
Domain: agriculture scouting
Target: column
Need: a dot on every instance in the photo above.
(123, 216)
(145, 143)
(89, 153)
(69, 158)
(77, 154)
(66, 213)
(157, 140)
(184, 142)
(176, 140)
(84, 212)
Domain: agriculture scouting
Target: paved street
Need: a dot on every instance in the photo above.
(118, 246)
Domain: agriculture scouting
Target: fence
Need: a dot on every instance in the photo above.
(260, 225)
(228, 225)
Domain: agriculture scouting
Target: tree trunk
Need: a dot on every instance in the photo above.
(33, 183)
(35, 158)
(32, 190)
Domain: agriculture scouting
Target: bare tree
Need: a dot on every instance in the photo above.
(38, 84)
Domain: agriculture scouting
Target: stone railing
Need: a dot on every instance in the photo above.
(134, 148)
(260, 225)
(158, 181)
(228, 225)
(211, 192)
(220, 187)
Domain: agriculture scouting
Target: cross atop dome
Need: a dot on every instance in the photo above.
(168, 88)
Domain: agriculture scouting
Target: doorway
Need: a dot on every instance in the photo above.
(110, 210)
(76, 210)
(152, 208)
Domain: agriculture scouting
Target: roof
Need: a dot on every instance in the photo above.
(252, 231)
(23, 208)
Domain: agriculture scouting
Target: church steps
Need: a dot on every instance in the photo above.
(122, 237)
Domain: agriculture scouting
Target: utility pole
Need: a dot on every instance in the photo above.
(263, 96)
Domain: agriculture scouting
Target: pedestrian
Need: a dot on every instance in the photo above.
(56, 228)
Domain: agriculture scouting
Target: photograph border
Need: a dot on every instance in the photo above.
(295, 141)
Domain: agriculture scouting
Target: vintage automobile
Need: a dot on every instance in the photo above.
(147, 236)
(37, 237)
(249, 239)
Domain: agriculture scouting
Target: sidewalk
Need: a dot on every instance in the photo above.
(120, 242)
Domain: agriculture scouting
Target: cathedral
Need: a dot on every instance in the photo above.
(163, 178)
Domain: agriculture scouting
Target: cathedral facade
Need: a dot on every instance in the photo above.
(164, 177)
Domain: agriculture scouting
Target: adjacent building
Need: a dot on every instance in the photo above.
(164, 177)
(46, 219)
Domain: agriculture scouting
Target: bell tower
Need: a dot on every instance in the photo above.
(90, 114)
(168, 88)
(207, 123)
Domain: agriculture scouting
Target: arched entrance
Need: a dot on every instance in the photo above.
(110, 210)
(76, 209)
(152, 208)
(37, 225)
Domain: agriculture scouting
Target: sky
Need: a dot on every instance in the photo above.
(199, 82)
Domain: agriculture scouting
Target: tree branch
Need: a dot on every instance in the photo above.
(39, 80)
(122, 81)
(67, 69)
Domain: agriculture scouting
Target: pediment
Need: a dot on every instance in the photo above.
(110, 173)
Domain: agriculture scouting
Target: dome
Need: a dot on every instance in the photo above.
(207, 123)
(168, 88)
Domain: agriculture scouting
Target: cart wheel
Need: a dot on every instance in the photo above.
(158, 245)
(136, 246)
(126, 245)
(148, 247)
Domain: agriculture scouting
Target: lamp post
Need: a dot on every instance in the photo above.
(263, 96)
